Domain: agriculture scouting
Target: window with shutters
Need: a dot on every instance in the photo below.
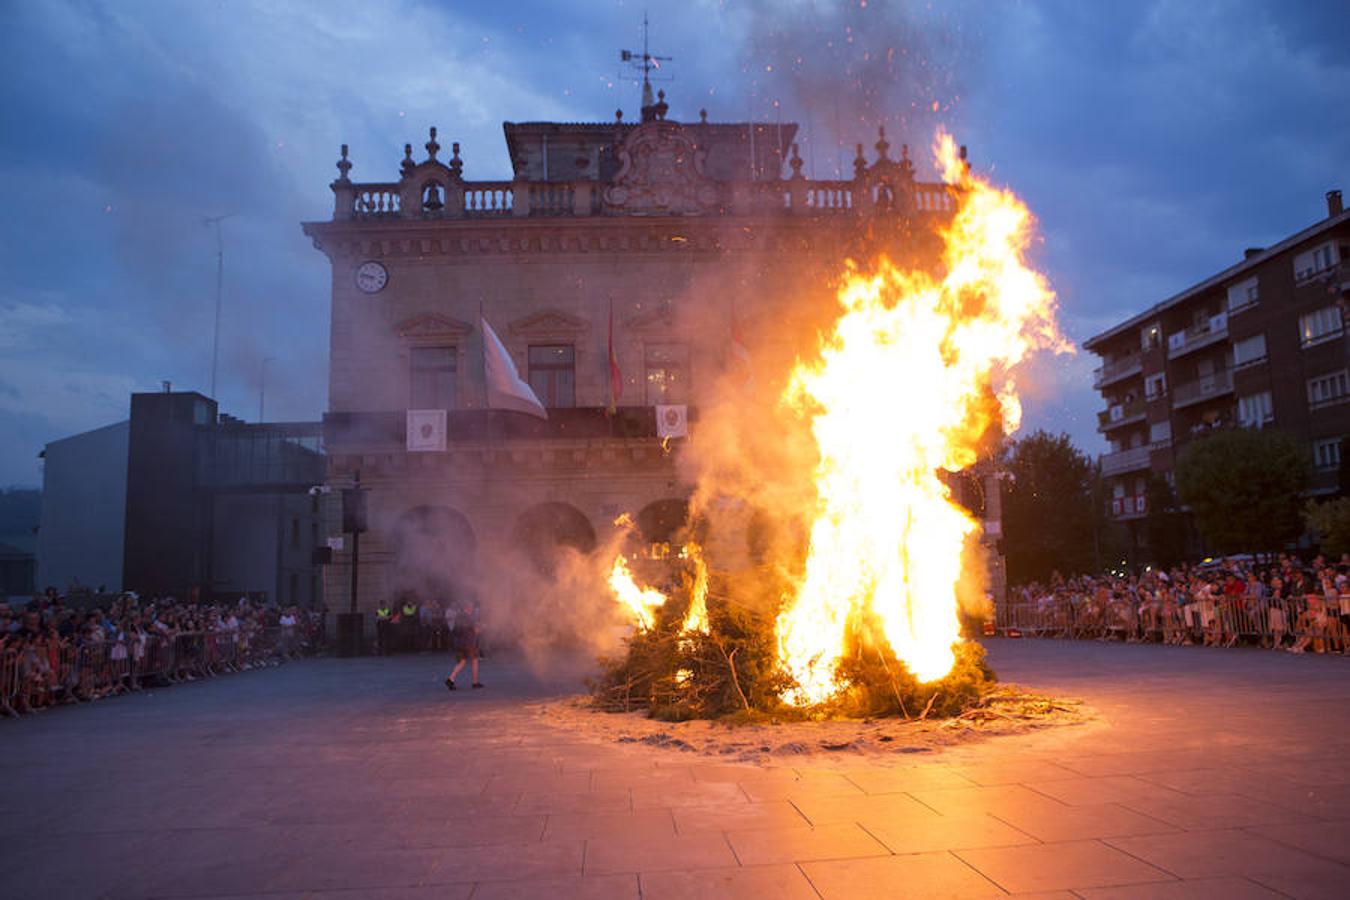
(1255, 410)
(432, 378)
(1324, 390)
(1249, 351)
(1313, 262)
(1242, 295)
(1327, 453)
(553, 374)
(1320, 325)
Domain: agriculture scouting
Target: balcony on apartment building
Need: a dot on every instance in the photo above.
(1118, 415)
(1202, 389)
(1200, 335)
(1113, 370)
(1121, 461)
(1129, 507)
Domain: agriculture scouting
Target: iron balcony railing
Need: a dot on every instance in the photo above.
(1130, 460)
(1120, 414)
(1129, 507)
(1114, 370)
(1202, 389)
(1197, 336)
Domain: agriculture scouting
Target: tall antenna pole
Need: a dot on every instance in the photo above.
(645, 62)
(262, 385)
(220, 282)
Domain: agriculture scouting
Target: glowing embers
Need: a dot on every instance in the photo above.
(914, 376)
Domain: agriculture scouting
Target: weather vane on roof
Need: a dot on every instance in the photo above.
(646, 63)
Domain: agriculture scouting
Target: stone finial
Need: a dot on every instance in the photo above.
(882, 144)
(795, 162)
(432, 147)
(965, 159)
(703, 116)
(618, 116)
(906, 166)
(859, 163)
(661, 105)
(343, 165)
(407, 165)
(456, 164)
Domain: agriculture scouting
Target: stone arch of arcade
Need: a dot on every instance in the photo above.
(433, 554)
(543, 533)
(661, 526)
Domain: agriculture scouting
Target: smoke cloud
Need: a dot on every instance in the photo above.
(845, 69)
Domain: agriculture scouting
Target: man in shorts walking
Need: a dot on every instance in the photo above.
(464, 641)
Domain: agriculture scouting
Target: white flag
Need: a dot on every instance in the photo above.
(505, 390)
(672, 421)
(426, 431)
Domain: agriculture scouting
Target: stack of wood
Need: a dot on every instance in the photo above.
(733, 671)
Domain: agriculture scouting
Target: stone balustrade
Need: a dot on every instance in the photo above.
(515, 199)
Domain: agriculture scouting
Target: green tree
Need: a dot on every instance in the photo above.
(1164, 524)
(1331, 520)
(1243, 486)
(1048, 512)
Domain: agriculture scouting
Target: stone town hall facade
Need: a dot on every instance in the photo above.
(642, 224)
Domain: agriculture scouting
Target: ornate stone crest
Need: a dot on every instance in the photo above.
(432, 325)
(661, 173)
(548, 322)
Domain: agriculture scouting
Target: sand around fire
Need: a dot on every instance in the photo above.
(1006, 710)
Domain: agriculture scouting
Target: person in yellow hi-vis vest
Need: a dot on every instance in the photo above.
(408, 621)
(384, 615)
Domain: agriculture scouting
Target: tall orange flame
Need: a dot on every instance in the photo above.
(640, 602)
(696, 619)
(916, 372)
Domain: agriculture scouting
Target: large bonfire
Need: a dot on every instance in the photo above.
(870, 624)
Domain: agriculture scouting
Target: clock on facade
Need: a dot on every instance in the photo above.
(371, 277)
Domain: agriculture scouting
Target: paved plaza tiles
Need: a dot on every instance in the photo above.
(1210, 773)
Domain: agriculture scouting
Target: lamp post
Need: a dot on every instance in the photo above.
(350, 625)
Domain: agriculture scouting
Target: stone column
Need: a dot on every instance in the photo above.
(520, 198)
(582, 191)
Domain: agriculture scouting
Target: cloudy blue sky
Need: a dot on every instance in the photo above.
(1154, 140)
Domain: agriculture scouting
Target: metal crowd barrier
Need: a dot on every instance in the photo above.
(1312, 622)
(33, 677)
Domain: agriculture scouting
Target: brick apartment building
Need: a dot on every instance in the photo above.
(1260, 344)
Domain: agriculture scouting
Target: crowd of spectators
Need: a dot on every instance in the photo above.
(58, 649)
(1281, 603)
